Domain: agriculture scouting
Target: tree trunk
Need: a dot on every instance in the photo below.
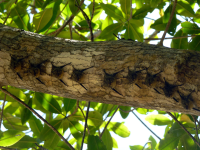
(120, 72)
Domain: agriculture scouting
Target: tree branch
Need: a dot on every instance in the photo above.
(33, 111)
(168, 24)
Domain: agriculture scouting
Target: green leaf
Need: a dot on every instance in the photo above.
(83, 26)
(47, 131)
(107, 33)
(66, 35)
(18, 93)
(159, 25)
(122, 113)
(97, 12)
(20, 15)
(197, 16)
(181, 43)
(73, 7)
(38, 3)
(106, 22)
(118, 128)
(48, 102)
(107, 140)
(47, 2)
(133, 31)
(158, 119)
(142, 12)
(172, 138)
(41, 19)
(10, 137)
(11, 107)
(113, 11)
(2, 7)
(66, 12)
(62, 146)
(76, 130)
(114, 143)
(35, 125)
(190, 28)
(56, 9)
(126, 7)
(142, 111)
(104, 108)
(136, 147)
(187, 143)
(94, 117)
(184, 8)
(68, 104)
(195, 44)
(95, 143)
(49, 136)
(12, 122)
(167, 14)
(153, 142)
(25, 142)
(26, 113)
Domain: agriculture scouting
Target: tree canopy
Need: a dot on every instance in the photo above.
(82, 20)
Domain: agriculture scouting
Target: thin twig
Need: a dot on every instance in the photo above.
(68, 136)
(66, 23)
(56, 19)
(70, 31)
(33, 111)
(146, 126)
(83, 117)
(184, 128)
(152, 36)
(4, 101)
(178, 37)
(86, 118)
(6, 18)
(146, 144)
(87, 19)
(196, 127)
(109, 112)
(168, 24)
(108, 122)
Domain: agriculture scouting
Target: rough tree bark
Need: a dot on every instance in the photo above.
(117, 72)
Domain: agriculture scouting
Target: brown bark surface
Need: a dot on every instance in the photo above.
(117, 72)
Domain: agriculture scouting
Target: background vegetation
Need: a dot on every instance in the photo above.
(80, 20)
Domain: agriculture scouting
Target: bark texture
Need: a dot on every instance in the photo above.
(117, 72)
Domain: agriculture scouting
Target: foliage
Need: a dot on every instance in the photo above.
(45, 17)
